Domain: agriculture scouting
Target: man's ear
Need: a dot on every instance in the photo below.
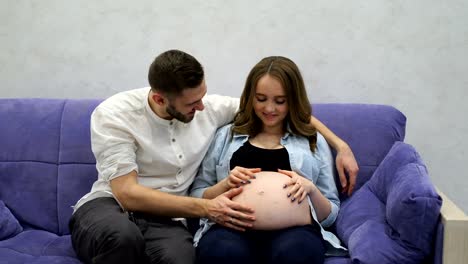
(158, 98)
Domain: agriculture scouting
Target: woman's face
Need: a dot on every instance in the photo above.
(270, 103)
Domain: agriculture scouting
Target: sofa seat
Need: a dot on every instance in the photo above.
(37, 246)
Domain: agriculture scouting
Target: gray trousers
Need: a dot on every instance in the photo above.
(102, 233)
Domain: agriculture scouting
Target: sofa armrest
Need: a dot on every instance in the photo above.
(455, 238)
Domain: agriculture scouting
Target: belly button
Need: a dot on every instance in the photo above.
(260, 192)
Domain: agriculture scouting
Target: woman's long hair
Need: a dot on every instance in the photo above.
(298, 118)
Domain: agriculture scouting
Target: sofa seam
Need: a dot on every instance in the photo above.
(58, 166)
(35, 161)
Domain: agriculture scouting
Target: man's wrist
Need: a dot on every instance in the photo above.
(203, 205)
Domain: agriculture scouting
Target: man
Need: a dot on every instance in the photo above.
(148, 144)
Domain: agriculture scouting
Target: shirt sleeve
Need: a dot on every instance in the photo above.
(207, 172)
(112, 144)
(222, 108)
(326, 181)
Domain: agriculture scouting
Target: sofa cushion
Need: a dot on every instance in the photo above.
(39, 243)
(77, 169)
(30, 190)
(355, 211)
(397, 209)
(399, 155)
(30, 141)
(9, 256)
(413, 206)
(403, 184)
(9, 226)
(375, 242)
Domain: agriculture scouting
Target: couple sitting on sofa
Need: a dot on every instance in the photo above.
(266, 179)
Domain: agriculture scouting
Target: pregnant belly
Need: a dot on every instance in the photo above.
(273, 209)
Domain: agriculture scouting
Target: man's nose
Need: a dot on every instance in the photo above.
(199, 107)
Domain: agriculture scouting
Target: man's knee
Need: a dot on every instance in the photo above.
(119, 242)
(126, 245)
(127, 238)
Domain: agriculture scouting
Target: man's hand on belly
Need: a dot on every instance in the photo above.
(222, 210)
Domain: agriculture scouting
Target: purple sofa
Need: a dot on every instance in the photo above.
(46, 165)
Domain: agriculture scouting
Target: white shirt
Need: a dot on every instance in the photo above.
(127, 135)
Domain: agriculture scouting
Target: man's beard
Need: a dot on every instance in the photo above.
(178, 115)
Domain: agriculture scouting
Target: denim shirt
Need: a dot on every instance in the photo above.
(315, 166)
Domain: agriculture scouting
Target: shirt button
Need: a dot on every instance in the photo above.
(170, 123)
(180, 156)
(173, 140)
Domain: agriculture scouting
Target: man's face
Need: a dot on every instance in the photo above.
(184, 106)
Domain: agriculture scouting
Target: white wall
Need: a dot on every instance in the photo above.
(409, 54)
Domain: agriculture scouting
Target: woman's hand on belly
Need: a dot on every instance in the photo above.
(273, 209)
(240, 176)
(299, 186)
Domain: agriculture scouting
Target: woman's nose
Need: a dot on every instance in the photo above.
(270, 107)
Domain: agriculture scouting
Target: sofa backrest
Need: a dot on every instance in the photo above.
(46, 163)
(370, 130)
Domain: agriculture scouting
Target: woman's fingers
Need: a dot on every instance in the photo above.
(247, 174)
(296, 191)
(303, 196)
(288, 173)
(240, 175)
(299, 192)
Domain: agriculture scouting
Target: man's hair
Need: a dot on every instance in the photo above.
(298, 118)
(173, 71)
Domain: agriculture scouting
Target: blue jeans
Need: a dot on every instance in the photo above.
(300, 244)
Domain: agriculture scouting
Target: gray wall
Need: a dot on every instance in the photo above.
(409, 54)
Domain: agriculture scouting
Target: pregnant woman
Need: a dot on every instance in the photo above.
(285, 169)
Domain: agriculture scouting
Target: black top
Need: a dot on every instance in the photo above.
(250, 156)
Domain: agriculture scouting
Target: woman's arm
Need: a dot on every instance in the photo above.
(345, 161)
(206, 176)
(326, 181)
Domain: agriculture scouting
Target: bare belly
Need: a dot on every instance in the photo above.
(273, 209)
